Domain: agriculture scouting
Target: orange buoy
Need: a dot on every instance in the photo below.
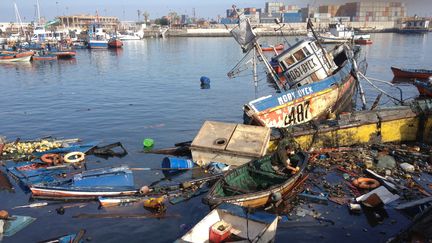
(52, 158)
(366, 183)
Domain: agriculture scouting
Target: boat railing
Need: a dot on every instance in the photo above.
(368, 79)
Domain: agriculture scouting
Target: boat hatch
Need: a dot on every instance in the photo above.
(304, 63)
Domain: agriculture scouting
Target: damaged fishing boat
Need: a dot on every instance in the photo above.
(310, 82)
(257, 183)
(89, 185)
(233, 223)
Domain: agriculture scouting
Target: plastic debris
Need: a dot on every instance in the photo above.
(386, 162)
(407, 167)
(383, 194)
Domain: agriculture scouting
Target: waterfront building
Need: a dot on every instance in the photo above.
(377, 11)
(83, 21)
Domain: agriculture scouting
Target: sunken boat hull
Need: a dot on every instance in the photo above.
(253, 184)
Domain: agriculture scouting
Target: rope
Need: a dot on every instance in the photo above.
(379, 89)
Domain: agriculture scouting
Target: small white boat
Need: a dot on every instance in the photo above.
(16, 59)
(257, 227)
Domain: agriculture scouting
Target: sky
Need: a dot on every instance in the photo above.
(127, 9)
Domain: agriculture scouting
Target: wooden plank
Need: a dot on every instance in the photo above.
(252, 140)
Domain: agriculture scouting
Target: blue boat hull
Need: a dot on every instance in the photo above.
(98, 44)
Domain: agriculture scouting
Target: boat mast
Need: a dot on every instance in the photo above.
(38, 12)
(18, 18)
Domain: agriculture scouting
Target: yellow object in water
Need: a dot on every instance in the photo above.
(154, 202)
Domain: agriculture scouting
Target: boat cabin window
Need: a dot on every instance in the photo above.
(314, 46)
(306, 51)
(289, 61)
(299, 55)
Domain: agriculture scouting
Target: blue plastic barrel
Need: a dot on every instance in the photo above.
(176, 163)
(205, 80)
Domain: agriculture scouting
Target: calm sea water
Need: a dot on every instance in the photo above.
(151, 89)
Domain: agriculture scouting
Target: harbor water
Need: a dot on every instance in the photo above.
(151, 89)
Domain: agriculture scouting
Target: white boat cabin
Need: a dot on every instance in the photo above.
(305, 63)
(340, 31)
(40, 34)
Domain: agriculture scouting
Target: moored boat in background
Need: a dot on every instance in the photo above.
(411, 73)
(424, 88)
(115, 43)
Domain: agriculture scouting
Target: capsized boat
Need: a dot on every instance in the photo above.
(253, 184)
(238, 224)
(89, 185)
(411, 73)
(424, 88)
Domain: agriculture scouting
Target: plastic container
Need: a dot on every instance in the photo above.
(220, 231)
(176, 163)
(148, 142)
(205, 80)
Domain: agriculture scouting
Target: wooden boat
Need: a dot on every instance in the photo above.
(311, 86)
(253, 184)
(18, 57)
(245, 227)
(408, 123)
(115, 43)
(89, 185)
(424, 88)
(411, 73)
(271, 48)
(44, 57)
(63, 54)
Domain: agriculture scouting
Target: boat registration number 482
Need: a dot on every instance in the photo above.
(297, 114)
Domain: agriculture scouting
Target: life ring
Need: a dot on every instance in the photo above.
(51, 158)
(74, 157)
(366, 183)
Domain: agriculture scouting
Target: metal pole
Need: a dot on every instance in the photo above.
(255, 74)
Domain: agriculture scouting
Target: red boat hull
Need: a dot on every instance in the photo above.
(399, 73)
(115, 43)
(363, 41)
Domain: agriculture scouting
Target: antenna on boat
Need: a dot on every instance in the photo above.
(310, 26)
(277, 21)
(247, 39)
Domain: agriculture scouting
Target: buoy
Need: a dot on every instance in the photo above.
(148, 142)
(205, 80)
(74, 157)
(366, 183)
(51, 158)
